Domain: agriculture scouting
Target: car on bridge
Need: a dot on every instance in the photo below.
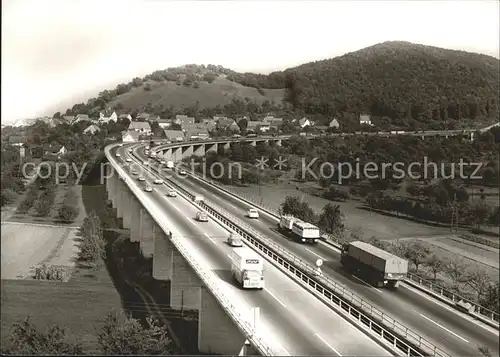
(172, 193)
(201, 216)
(182, 172)
(146, 163)
(129, 159)
(129, 150)
(234, 240)
(148, 189)
(117, 154)
(158, 181)
(142, 178)
(253, 213)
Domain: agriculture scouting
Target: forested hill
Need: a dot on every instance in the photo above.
(398, 80)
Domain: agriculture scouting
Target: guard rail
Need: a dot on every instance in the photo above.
(379, 324)
(205, 274)
(491, 317)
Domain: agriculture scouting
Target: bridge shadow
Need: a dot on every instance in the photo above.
(226, 276)
(337, 267)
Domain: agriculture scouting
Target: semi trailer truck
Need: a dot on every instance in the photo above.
(300, 231)
(247, 268)
(373, 265)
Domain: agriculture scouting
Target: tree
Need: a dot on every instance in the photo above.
(417, 253)
(456, 269)
(27, 340)
(331, 220)
(480, 212)
(479, 281)
(491, 299)
(295, 207)
(131, 338)
(435, 264)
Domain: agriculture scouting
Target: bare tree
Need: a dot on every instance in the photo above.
(480, 282)
(417, 253)
(456, 270)
(485, 351)
(356, 233)
(435, 264)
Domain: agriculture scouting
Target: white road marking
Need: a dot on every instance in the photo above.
(178, 210)
(444, 328)
(326, 343)
(275, 298)
(316, 254)
(206, 235)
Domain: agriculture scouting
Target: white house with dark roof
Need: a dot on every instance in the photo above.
(81, 117)
(140, 126)
(164, 123)
(104, 119)
(174, 135)
(92, 130)
(304, 122)
(365, 119)
(195, 131)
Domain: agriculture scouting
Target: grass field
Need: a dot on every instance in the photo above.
(78, 305)
(219, 92)
(26, 245)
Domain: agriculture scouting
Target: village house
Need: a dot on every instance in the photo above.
(140, 126)
(195, 131)
(91, 130)
(130, 136)
(183, 120)
(334, 123)
(174, 135)
(142, 116)
(164, 123)
(80, 117)
(364, 119)
(16, 140)
(304, 122)
(104, 119)
(125, 116)
(210, 124)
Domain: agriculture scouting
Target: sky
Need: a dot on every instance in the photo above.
(56, 53)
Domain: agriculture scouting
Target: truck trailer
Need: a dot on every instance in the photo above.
(373, 265)
(300, 231)
(247, 268)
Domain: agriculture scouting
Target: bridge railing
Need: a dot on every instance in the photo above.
(377, 323)
(206, 275)
(452, 297)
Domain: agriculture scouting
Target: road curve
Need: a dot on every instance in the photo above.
(438, 324)
(302, 324)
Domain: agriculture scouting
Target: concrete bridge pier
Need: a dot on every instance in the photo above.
(147, 233)
(217, 333)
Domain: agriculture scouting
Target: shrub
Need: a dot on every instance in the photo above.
(67, 213)
(7, 196)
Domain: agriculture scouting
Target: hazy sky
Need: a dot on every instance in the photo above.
(56, 53)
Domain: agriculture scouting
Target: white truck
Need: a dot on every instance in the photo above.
(301, 231)
(247, 268)
(170, 164)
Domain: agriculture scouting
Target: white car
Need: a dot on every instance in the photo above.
(134, 172)
(201, 216)
(253, 213)
(163, 162)
(117, 154)
(142, 178)
(234, 240)
(129, 159)
(129, 150)
(172, 193)
(182, 172)
(146, 163)
(148, 189)
(120, 145)
(158, 181)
